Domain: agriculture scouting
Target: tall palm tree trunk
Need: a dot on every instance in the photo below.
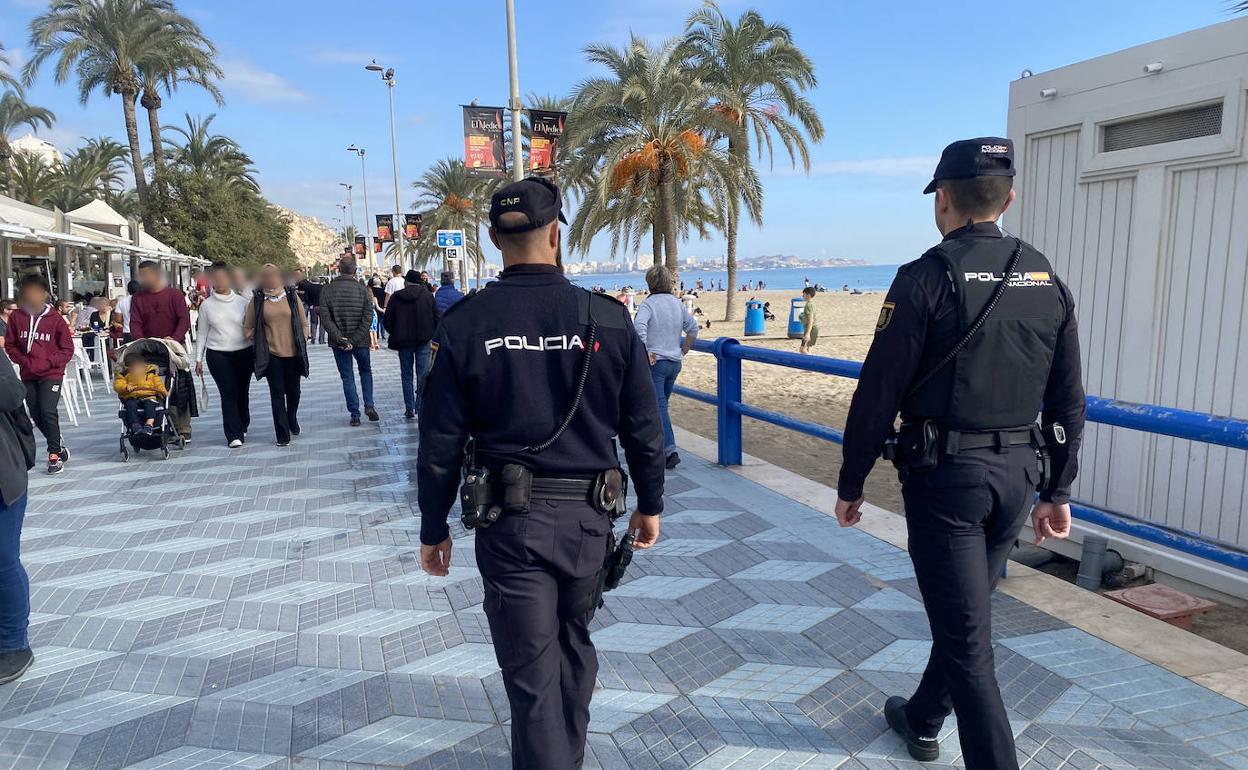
(734, 220)
(152, 103)
(656, 256)
(667, 194)
(136, 154)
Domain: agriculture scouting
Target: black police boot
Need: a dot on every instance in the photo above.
(922, 749)
(14, 664)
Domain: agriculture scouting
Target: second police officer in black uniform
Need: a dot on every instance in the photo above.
(974, 340)
(540, 375)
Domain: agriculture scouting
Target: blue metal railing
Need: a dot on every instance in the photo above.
(1178, 423)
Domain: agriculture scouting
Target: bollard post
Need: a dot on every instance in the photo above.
(728, 396)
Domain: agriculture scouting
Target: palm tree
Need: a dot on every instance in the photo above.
(77, 181)
(755, 76)
(451, 200)
(110, 157)
(210, 155)
(31, 179)
(642, 130)
(125, 202)
(7, 81)
(101, 43)
(16, 112)
(182, 55)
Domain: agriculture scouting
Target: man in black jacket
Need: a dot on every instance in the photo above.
(411, 317)
(17, 456)
(347, 314)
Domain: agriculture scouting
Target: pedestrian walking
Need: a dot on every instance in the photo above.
(412, 316)
(223, 344)
(668, 331)
(41, 344)
(17, 457)
(347, 312)
(969, 363)
(395, 284)
(123, 307)
(507, 363)
(310, 294)
(448, 294)
(7, 306)
(278, 328)
(160, 310)
(809, 321)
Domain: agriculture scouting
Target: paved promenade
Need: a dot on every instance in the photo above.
(264, 608)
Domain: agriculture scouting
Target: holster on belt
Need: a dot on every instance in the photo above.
(914, 445)
(610, 492)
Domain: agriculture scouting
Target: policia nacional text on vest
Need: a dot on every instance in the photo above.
(974, 338)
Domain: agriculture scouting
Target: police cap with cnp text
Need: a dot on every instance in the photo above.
(536, 198)
(969, 158)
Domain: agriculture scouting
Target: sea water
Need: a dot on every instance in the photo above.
(860, 277)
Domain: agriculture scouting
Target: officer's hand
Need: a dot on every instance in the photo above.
(436, 559)
(1050, 520)
(849, 513)
(646, 527)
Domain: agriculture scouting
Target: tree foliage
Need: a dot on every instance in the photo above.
(451, 199)
(208, 217)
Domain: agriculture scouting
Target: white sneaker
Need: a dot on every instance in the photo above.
(236, 443)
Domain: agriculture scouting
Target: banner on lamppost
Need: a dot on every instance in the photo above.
(361, 246)
(377, 243)
(545, 130)
(484, 154)
(385, 227)
(411, 226)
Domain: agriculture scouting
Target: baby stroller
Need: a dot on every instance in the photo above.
(152, 352)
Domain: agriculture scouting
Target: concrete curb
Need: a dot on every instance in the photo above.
(1207, 663)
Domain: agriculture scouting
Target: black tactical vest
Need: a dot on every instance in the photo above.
(998, 379)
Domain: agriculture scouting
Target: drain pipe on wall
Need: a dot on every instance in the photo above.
(1097, 562)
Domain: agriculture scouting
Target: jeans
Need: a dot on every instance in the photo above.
(42, 399)
(232, 371)
(413, 368)
(314, 324)
(283, 375)
(139, 411)
(14, 585)
(343, 359)
(663, 375)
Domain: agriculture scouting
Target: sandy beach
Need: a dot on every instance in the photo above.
(846, 327)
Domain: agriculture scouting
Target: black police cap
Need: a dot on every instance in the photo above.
(969, 158)
(536, 198)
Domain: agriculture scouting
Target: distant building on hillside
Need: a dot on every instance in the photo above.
(36, 146)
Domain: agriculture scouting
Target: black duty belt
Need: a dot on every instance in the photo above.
(554, 488)
(956, 441)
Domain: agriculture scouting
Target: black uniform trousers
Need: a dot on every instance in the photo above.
(232, 371)
(963, 517)
(42, 399)
(283, 374)
(541, 573)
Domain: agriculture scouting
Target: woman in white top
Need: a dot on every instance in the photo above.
(220, 340)
(668, 332)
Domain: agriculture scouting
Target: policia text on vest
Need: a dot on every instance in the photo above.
(975, 337)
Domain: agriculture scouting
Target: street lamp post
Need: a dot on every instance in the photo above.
(350, 205)
(388, 75)
(517, 165)
(368, 220)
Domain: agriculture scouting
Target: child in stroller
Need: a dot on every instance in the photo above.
(142, 392)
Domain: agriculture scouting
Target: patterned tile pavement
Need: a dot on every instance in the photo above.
(264, 609)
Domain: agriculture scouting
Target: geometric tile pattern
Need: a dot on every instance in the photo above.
(264, 609)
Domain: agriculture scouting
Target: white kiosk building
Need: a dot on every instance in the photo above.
(1134, 181)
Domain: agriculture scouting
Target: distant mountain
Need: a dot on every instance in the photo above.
(313, 241)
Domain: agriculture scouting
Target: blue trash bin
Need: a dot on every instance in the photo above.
(796, 305)
(755, 324)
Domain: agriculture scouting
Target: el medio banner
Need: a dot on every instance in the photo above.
(361, 246)
(484, 154)
(545, 131)
(411, 226)
(385, 227)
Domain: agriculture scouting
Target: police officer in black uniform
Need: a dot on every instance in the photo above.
(973, 338)
(540, 375)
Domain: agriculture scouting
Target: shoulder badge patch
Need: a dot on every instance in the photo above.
(886, 316)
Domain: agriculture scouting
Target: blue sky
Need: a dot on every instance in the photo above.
(897, 81)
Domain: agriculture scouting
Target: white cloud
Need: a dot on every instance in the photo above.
(253, 84)
(903, 165)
